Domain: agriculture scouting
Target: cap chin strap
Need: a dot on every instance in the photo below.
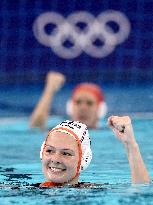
(102, 109)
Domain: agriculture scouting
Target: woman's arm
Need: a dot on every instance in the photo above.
(122, 128)
(54, 81)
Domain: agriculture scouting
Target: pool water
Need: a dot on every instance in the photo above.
(20, 167)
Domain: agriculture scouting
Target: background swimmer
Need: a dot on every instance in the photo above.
(66, 152)
(86, 105)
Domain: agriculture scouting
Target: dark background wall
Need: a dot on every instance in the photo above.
(23, 58)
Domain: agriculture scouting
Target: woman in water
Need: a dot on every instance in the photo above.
(66, 152)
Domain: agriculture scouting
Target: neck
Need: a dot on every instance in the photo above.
(54, 184)
(94, 125)
(72, 182)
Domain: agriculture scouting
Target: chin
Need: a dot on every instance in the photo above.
(60, 181)
(86, 123)
(83, 120)
(56, 179)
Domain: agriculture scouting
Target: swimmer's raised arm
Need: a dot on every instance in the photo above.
(123, 129)
(54, 82)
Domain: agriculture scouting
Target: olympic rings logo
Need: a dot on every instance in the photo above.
(82, 39)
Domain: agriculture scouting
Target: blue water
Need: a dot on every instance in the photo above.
(20, 99)
(20, 166)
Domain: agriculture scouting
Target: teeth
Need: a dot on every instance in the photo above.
(56, 169)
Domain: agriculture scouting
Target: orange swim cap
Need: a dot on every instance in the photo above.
(91, 88)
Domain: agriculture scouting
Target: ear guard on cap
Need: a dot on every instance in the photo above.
(86, 159)
(102, 110)
(41, 150)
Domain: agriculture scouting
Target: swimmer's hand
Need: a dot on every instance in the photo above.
(123, 129)
(54, 81)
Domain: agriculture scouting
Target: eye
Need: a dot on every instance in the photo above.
(90, 103)
(49, 151)
(67, 154)
(78, 102)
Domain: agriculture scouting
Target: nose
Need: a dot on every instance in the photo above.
(83, 105)
(56, 158)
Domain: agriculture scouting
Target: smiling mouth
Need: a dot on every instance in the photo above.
(56, 169)
(83, 117)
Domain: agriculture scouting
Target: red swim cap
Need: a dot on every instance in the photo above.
(91, 88)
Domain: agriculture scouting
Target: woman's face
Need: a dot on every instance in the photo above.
(60, 158)
(85, 109)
